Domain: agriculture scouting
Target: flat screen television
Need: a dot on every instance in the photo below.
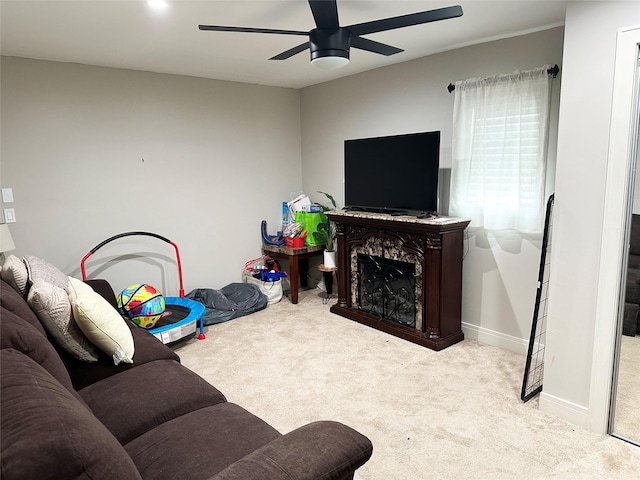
(396, 174)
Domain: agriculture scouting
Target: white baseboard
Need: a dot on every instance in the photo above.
(496, 339)
(568, 411)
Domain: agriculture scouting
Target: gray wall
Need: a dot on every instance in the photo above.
(583, 145)
(91, 152)
(500, 270)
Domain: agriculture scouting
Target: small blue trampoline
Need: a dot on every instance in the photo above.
(183, 315)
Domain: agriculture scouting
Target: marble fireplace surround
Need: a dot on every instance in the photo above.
(388, 249)
(433, 246)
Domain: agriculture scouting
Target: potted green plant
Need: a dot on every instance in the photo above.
(326, 233)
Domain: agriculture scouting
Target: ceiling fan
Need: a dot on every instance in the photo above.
(329, 42)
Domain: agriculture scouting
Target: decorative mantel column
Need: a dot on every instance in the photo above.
(433, 247)
(343, 260)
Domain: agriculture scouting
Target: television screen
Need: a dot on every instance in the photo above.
(396, 174)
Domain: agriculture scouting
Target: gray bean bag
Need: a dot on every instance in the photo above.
(234, 300)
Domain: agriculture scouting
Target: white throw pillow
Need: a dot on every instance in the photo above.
(100, 322)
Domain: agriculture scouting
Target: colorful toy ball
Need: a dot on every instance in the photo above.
(142, 303)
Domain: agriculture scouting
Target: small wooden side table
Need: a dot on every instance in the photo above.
(298, 259)
(327, 275)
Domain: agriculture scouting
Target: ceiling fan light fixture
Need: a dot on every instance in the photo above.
(331, 61)
(329, 48)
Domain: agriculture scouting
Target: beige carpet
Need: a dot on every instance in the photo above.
(627, 419)
(454, 414)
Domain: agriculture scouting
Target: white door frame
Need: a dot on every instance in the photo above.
(614, 226)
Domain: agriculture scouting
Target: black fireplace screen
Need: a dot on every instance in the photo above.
(386, 288)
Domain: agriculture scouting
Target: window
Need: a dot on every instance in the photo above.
(500, 129)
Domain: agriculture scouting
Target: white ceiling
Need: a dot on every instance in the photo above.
(130, 34)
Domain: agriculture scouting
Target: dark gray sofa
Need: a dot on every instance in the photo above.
(631, 320)
(152, 419)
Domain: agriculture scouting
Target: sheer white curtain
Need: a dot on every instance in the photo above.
(500, 129)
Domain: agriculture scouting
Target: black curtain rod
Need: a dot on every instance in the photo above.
(553, 71)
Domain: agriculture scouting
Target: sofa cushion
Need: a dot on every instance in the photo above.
(48, 434)
(15, 273)
(147, 347)
(100, 322)
(139, 399)
(633, 261)
(17, 334)
(632, 289)
(630, 319)
(634, 240)
(12, 301)
(199, 444)
(51, 305)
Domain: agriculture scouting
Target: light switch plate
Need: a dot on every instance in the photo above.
(9, 215)
(7, 195)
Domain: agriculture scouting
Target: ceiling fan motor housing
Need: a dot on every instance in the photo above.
(329, 43)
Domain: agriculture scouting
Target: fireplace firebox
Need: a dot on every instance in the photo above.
(386, 288)
(401, 275)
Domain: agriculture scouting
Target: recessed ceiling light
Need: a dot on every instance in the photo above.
(158, 4)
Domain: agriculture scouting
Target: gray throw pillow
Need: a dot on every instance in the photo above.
(15, 273)
(51, 304)
(40, 269)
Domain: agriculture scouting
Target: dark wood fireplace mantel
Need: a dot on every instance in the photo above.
(434, 247)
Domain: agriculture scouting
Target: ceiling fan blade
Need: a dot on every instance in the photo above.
(325, 13)
(291, 52)
(220, 28)
(406, 20)
(375, 47)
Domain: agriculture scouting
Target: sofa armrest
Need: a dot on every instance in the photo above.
(319, 450)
